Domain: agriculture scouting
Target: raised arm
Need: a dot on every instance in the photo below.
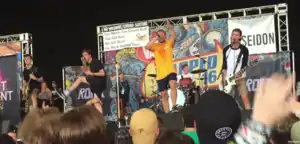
(172, 32)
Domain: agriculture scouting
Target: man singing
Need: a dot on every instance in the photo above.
(166, 74)
(185, 73)
(235, 57)
(94, 76)
(32, 78)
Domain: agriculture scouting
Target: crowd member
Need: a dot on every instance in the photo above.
(122, 137)
(215, 109)
(83, 125)
(282, 130)
(45, 95)
(188, 120)
(12, 132)
(144, 127)
(216, 114)
(295, 132)
(40, 126)
(6, 139)
(172, 137)
(272, 104)
(217, 117)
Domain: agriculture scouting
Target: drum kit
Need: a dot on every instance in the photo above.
(187, 91)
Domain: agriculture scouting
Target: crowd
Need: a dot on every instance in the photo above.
(215, 119)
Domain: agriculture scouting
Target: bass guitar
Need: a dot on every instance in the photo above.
(230, 81)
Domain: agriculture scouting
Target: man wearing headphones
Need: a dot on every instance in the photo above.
(235, 58)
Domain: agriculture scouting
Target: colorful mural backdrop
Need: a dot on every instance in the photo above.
(205, 39)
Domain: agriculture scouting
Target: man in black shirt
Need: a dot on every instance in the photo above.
(32, 77)
(94, 76)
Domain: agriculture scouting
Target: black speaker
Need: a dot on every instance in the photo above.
(172, 121)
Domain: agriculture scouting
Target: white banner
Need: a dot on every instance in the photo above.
(258, 33)
(126, 38)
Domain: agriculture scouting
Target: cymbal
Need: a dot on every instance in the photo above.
(152, 75)
(199, 71)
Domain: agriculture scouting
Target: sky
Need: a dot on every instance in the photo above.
(61, 29)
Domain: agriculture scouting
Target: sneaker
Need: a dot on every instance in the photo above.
(66, 92)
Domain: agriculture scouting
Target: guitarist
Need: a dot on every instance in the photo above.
(235, 57)
(31, 78)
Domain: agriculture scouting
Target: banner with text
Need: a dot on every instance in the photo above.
(13, 48)
(268, 64)
(9, 91)
(258, 33)
(127, 35)
(83, 93)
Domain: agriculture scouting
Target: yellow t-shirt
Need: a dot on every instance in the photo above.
(163, 59)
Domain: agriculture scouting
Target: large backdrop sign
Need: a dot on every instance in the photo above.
(83, 93)
(258, 33)
(9, 91)
(13, 48)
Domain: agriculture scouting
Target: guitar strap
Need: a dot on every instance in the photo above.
(238, 60)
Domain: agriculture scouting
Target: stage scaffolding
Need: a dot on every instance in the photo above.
(279, 10)
(25, 40)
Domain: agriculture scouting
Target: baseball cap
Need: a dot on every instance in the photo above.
(295, 132)
(217, 117)
(143, 126)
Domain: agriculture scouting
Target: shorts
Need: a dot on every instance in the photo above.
(163, 84)
(242, 87)
(96, 86)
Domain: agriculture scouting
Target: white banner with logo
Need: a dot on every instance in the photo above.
(258, 33)
(125, 36)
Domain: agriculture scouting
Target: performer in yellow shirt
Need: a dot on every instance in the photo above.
(166, 74)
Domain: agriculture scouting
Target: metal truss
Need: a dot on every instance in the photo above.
(283, 27)
(280, 10)
(25, 40)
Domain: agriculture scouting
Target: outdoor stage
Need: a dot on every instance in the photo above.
(265, 33)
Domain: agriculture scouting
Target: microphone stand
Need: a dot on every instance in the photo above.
(205, 76)
(118, 97)
(62, 97)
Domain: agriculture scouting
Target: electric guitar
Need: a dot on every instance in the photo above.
(230, 81)
(26, 90)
